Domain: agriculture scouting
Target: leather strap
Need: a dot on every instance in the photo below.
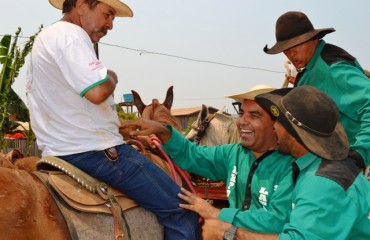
(118, 216)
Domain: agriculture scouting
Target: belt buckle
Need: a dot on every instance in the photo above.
(111, 153)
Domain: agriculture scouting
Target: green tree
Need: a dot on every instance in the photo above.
(12, 58)
(125, 115)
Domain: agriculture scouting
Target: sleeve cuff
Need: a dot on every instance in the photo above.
(228, 214)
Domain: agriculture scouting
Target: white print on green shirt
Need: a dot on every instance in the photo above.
(263, 196)
(232, 181)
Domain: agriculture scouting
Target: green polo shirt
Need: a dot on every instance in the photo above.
(331, 200)
(271, 180)
(339, 75)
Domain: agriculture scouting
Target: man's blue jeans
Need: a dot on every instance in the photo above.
(145, 183)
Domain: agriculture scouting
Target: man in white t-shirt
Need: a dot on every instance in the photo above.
(70, 94)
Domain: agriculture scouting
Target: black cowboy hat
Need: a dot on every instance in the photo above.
(310, 114)
(292, 29)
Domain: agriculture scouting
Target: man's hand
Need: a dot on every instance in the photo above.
(198, 205)
(140, 127)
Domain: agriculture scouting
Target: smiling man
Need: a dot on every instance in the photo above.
(258, 177)
(330, 197)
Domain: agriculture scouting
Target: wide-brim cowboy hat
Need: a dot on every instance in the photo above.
(252, 93)
(292, 29)
(122, 10)
(312, 115)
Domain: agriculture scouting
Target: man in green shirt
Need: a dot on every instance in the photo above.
(332, 70)
(331, 199)
(258, 178)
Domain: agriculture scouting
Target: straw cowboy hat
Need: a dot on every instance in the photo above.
(312, 115)
(122, 10)
(292, 29)
(252, 93)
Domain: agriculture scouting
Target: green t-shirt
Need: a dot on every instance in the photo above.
(271, 184)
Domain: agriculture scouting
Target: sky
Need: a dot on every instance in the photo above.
(205, 49)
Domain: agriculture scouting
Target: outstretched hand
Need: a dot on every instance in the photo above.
(198, 205)
(138, 128)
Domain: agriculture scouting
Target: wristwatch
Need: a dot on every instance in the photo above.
(230, 233)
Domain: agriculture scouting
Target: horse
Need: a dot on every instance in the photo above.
(30, 210)
(221, 129)
(211, 130)
(15, 159)
(161, 112)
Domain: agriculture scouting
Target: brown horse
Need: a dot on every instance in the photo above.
(217, 129)
(15, 159)
(29, 210)
(161, 112)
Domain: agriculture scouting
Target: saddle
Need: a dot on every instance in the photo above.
(78, 189)
(83, 192)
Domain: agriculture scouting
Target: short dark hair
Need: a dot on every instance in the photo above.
(68, 5)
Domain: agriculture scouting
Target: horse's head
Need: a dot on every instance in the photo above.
(160, 112)
(195, 127)
(213, 129)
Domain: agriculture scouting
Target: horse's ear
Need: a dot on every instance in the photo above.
(169, 98)
(203, 112)
(138, 102)
(221, 111)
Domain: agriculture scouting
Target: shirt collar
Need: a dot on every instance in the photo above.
(306, 160)
(316, 55)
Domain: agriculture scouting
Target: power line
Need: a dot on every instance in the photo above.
(142, 52)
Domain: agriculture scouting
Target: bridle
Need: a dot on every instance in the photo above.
(201, 130)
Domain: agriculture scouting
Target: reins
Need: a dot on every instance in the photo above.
(173, 167)
(201, 131)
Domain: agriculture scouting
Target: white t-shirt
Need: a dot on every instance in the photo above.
(63, 67)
